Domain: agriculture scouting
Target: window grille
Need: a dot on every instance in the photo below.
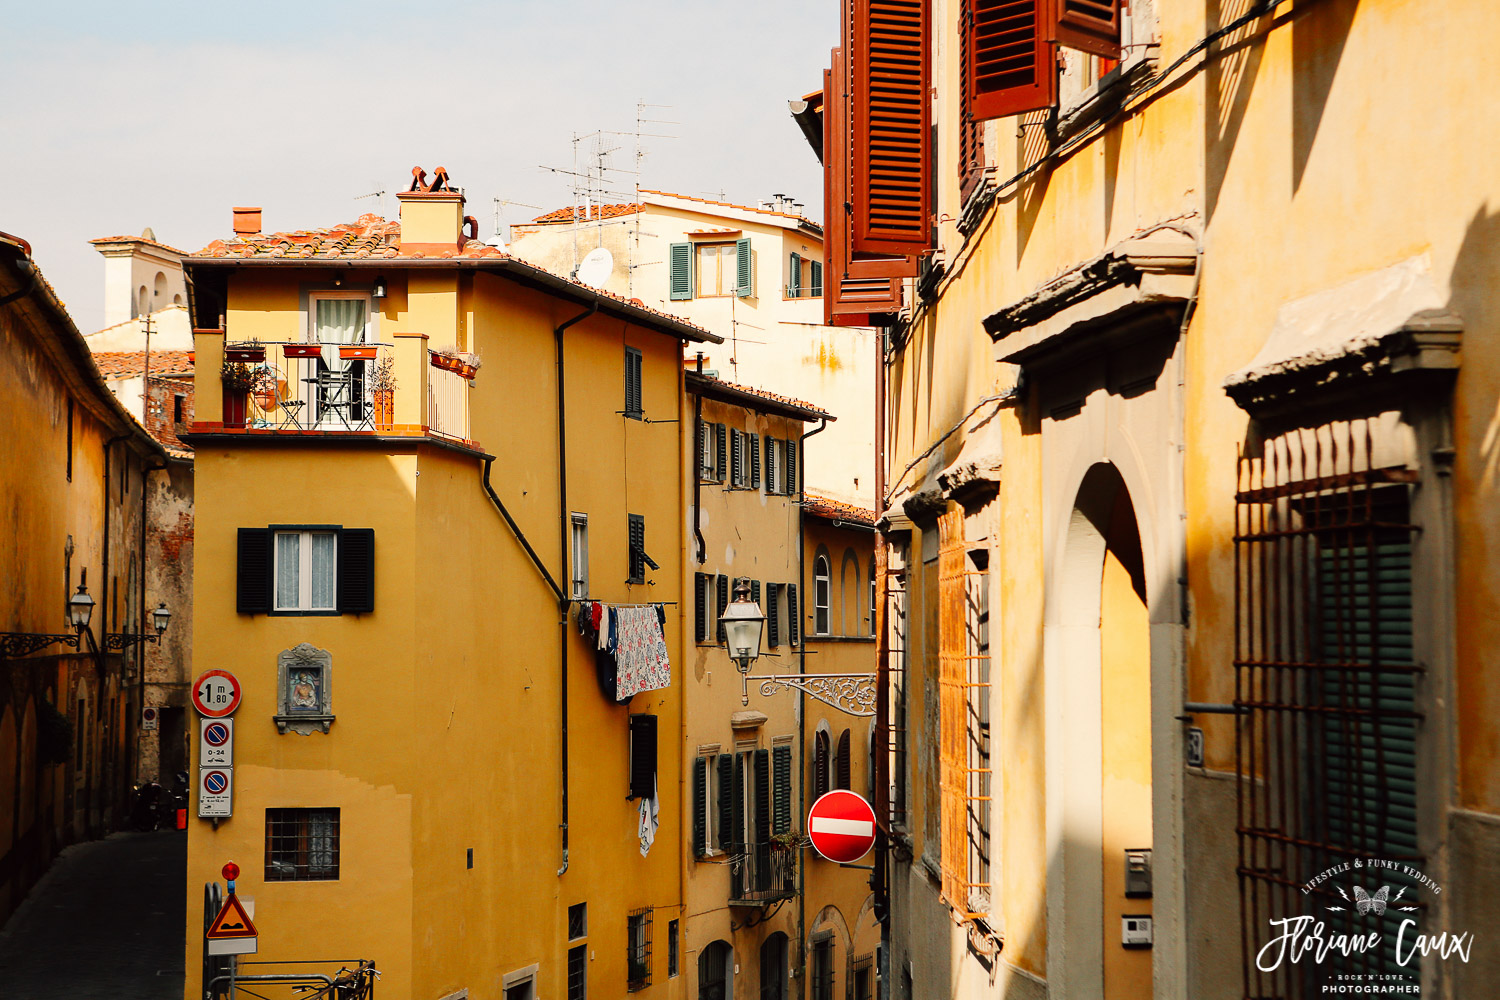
(896, 670)
(822, 969)
(638, 949)
(302, 845)
(578, 921)
(863, 973)
(578, 973)
(1325, 681)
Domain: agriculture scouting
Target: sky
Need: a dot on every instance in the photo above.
(123, 115)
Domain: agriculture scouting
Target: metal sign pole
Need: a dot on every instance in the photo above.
(234, 966)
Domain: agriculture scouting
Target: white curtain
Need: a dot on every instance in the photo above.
(322, 570)
(320, 842)
(288, 563)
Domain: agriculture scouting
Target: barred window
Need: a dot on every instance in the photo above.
(638, 953)
(578, 973)
(302, 845)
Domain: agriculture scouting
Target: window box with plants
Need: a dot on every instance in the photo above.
(302, 350)
(358, 352)
(246, 351)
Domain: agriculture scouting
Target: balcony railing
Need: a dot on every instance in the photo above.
(299, 386)
(762, 873)
(448, 403)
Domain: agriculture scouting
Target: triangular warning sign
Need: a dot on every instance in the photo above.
(232, 922)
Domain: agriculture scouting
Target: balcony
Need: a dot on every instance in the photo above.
(762, 873)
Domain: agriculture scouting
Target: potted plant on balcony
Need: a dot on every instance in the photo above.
(237, 379)
(250, 351)
(309, 350)
(382, 381)
(357, 352)
(447, 358)
(468, 365)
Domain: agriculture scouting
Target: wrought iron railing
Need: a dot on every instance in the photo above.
(448, 403)
(763, 873)
(310, 387)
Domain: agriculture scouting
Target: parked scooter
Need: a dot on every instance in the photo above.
(145, 814)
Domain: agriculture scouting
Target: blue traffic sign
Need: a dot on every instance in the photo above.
(215, 781)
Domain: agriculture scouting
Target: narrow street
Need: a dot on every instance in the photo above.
(106, 920)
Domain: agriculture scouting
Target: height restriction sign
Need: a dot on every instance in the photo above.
(216, 693)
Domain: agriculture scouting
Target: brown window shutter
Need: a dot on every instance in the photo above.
(642, 756)
(842, 760)
(1090, 25)
(970, 129)
(889, 128)
(1012, 68)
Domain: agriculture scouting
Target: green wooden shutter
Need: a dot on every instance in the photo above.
(820, 765)
(736, 457)
(794, 287)
(762, 796)
(791, 466)
(781, 767)
(700, 606)
(737, 805)
(726, 799)
(252, 592)
(770, 464)
(719, 457)
(721, 598)
(744, 270)
(642, 756)
(681, 271)
(794, 623)
(773, 623)
(700, 806)
(356, 571)
(632, 382)
(755, 461)
(816, 278)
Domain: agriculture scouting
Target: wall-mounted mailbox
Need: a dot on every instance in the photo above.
(1138, 873)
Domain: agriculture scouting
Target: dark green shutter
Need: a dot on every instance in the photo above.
(794, 287)
(770, 464)
(820, 765)
(719, 457)
(726, 799)
(700, 806)
(356, 569)
(642, 756)
(843, 769)
(794, 622)
(637, 561)
(721, 600)
(700, 606)
(737, 805)
(816, 278)
(632, 382)
(755, 461)
(762, 796)
(791, 466)
(781, 766)
(252, 592)
(682, 271)
(736, 457)
(744, 271)
(773, 620)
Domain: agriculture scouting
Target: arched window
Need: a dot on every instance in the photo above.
(822, 752)
(177, 300)
(843, 771)
(773, 968)
(821, 587)
(716, 972)
(143, 302)
(161, 285)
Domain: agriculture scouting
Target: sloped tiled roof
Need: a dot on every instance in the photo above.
(593, 213)
(835, 510)
(136, 239)
(706, 383)
(120, 364)
(730, 204)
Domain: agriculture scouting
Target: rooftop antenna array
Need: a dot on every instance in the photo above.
(501, 235)
(380, 204)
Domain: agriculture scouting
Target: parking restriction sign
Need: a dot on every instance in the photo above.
(216, 742)
(215, 792)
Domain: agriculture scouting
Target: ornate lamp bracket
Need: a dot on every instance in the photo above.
(852, 694)
(119, 640)
(13, 644)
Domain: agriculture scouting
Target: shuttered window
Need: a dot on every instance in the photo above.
(681, 271)
(721, 601)
(638, 557)
(292, 570)
(842, 768)
(700, 606)
(725, 768)
(755, 461)
(700, 806)
(791, 466)
(970, 129)
(633, 383)
(744, 268)
(734, 842)
(822, 749)
(642, 756)
(762, 796)
(815, 278)
(1012, 68)
(794, 278)
(736, 458)
(773, 469)
(773, 619)
(720, 459)
(253, 578)
(781, 767)
(794, 623)
(356, 571)
(1090, 25)
(890, 137)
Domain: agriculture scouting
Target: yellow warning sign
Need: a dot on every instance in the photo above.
(232, 922)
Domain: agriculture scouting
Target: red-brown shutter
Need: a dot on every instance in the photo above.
(1012, 68)
(1090, 25)
(890, 133)
(970, 129)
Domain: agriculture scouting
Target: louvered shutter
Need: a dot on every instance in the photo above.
(737, 805)
(794, 286)
(705, 449)
(642, 756)
(791, 466)
(637, 536)
(721, 599)
(781, 768)
(252, 589)
(820, 765)
(843, 760)
(736, 457)
(700, 606)
(744, 268)
(773, 623)
(755, 461)
(726, 800)
(890, 134)
(356, 569)
(1012, 68)
(770, 465)
(815, 278)
(762, 796)
(970, 129)
(794, 623)
(1090, 25)
(632, 382)
(681, 268)
(719, 457)
(700, 806)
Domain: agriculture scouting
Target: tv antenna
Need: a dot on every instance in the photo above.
(501, 235)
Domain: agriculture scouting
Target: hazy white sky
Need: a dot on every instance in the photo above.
(122, 114)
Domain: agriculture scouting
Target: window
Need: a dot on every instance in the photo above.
(178, 399)
(773, 968)
(781, 785)
(842, 764)
(774, 474)
(302, 845)
(738, 474)
(822, 968)
(642, 756)
(702, 626)
(580, 555)
(671, 948)
(680, 271)
(639, 560)
(822, 585)
(863, 974)
(794, 283)
(821, 763)
(706, 800)
(706, 468)
(716, 269)
(578, 972)
(716, 972)
(638, 949)
(721, 602)
(633, 408)
(305, 570)
(337, 394)
(815, 279)
(519, 985)
(578, 921)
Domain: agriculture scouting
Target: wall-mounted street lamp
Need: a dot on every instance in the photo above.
(161, 618)
(80, 608)
(743, 621)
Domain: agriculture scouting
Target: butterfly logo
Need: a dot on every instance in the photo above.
(1365, 902)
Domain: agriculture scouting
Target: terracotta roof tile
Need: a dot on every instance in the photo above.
(120, 364)
(835, 510)
(763, 394)
(135, 239)
(730, 204)
(594, 212)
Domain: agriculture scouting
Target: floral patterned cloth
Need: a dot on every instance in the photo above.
(641, 659)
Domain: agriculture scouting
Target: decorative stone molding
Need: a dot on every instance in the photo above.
(747, 720)
(304, 689)
(925, 507)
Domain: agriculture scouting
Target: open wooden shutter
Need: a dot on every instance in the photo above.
(773, 621)
(820, 765)
(736, 458)
(252, 591)
(719, 457)
(1012, 68)
(970, 129)
(700, 606)
(815, 278)
(794, 282)
(843, 760)
(781, 767)
(762, 796)
(681, 271)
(890, 135)
(744, 269)
(794, 624)
(1090, 25)
(642, 756)
(700, 806)
(791, 465)
(721, 598)
(632, 382)
(356, 569)
(737, 805)
(726, 799)
(755, 461)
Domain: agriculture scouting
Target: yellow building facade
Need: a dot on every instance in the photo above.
(428, 772)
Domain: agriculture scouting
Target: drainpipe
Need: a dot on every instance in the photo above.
(562, 529)
(802, 703)
(880, 878)
(698, 457)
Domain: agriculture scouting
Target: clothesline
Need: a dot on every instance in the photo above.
(590, 600)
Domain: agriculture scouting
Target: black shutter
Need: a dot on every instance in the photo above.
(791, 466)
(762, 796)
(755, 461)
(700, 606)
(755, 591)
(843, 759)
(794, 623)
(781, 764)
(356, 582)
(770, 464)
(721, 600)
(726, 796)
(736, 458)
(705, 448)
(820, 765)
(642, 756)
(253, 581)
(632, 382)
(637, 563)
(719, 462)
(700, 806)
(737, 804)
(773, 620)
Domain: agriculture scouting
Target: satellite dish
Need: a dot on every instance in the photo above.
(596, 268)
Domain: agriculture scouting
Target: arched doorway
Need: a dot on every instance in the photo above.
(716, 972)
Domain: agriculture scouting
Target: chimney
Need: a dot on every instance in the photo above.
(247, 221)
(432, 214)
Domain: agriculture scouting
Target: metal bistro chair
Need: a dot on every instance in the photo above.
(334, 390)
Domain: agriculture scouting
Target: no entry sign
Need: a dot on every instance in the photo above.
(842, 826)
(216, 693)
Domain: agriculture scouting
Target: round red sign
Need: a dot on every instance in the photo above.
(216, 693)
(842, 826)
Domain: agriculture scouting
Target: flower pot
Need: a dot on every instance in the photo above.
(446, 363)
(468, 371)
(235, 405)
(385, 408)
(302, 350)
(358, 352)
(266, 399)
(255, 354)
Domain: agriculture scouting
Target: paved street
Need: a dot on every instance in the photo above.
(105, 921)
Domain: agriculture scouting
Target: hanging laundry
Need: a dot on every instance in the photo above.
(649, 821)
(641, 658)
